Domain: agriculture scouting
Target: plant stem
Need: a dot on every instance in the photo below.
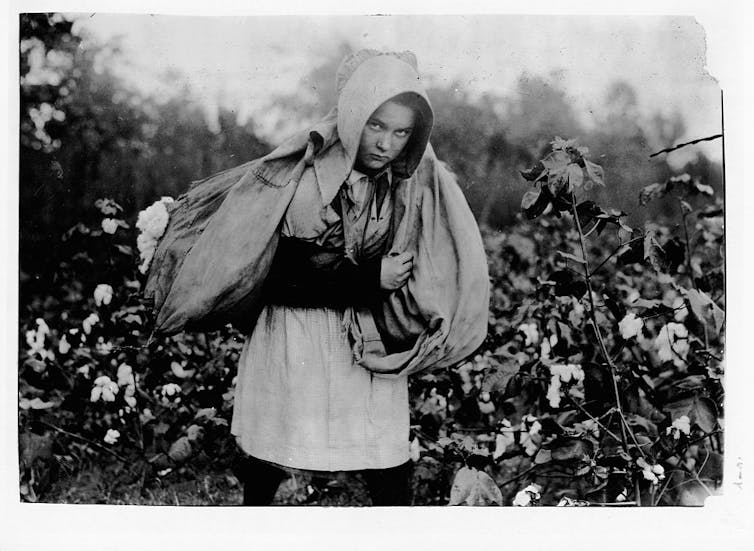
(657, 499)
(616, 251)
(686, 242)
(593, 317)
(520, 475)
(585, 412)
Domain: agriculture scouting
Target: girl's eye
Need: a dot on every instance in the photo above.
(403, 133)
(375, 125)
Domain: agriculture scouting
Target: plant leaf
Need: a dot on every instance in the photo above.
(535, 173)
(473, 487)
(646, 303)
(595, 172)
(575, 176)
(543, 456)
(34, 445)
(652, 191)
(497, 379)
(529, 199)
(568, 449)
(699, 409)
(181, 450)
(705, 309)
(651, 248)
(572, 257)
(125, 249)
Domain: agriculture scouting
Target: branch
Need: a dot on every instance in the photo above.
(616, 251)
(521, 475)
(585, 412)
(680, 145)
(84, 439)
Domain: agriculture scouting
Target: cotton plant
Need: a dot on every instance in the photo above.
(151, 223)
(63, 345)
(652, 473)
(546, 346)
(103, 294)
(36, 338)
(532, 437)
(109, 225)
(530, 332)
(630, 326)
(672, 344)
(127, 381)
(103, 347)
(89, 322)
(414, 450)
(576, 313)
(104, 389)
(170, 393)
(567, 501)
(112, 436)
(680, 426)
(504, 438)
(528, 497)
(562, 374)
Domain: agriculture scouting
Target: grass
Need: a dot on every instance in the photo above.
(220, 488)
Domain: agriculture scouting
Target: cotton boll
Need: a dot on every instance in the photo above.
(630, 326)
(528, 496)
(89, 322)
(63, 345)
(125, 375)
(112, 436)
(553, 392)
(103, 294)
(109, 225)
(531, 333)
(95, 394)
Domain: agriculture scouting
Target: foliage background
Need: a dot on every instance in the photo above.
(86, 135)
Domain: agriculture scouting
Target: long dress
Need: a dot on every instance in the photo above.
(300, 401)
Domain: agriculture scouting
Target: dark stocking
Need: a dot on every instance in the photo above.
(389, 486)
(260, 480)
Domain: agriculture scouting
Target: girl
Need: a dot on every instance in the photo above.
(301, 402)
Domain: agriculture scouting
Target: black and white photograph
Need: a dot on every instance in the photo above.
(389, 262)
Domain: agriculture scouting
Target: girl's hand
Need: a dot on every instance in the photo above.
(395, 271)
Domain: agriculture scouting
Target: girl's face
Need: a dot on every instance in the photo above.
(385, 135)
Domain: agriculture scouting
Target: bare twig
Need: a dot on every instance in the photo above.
(680, 145)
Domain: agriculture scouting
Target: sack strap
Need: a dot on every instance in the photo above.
(371, 337)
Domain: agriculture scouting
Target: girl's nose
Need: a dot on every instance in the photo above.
(383, 142)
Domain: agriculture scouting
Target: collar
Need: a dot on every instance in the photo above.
(355, 176)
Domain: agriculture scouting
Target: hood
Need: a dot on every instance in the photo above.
(372, 83)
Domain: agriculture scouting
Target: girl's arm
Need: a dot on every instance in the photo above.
(307, 275)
